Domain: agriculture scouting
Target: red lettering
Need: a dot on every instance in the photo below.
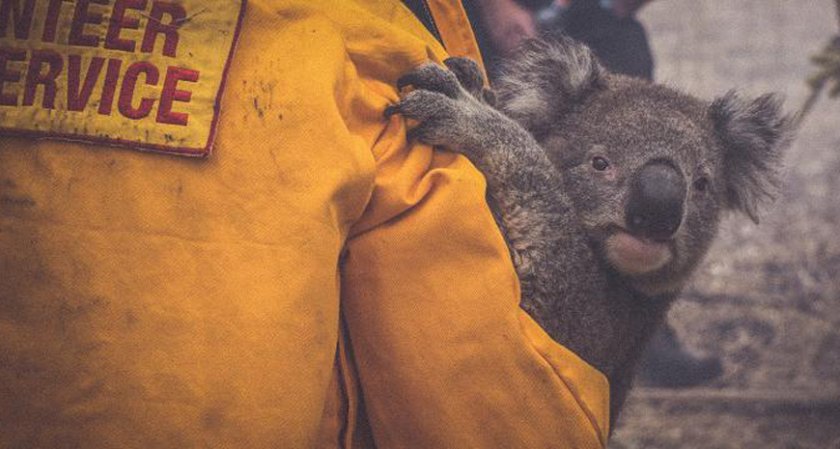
(170, 94)
(126, 100)
(119, 21)
(8, 75)
(21, 17)
(109, 89)
(81, 17)
(169, 30)
(78, 97)
(34, 77)
(51, 22)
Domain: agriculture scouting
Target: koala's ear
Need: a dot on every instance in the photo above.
(754, 134)
(545, 78)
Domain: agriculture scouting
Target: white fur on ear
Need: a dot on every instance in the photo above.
(754, 134)
(544, 78)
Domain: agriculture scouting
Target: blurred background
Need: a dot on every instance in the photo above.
(750, 356)
(767, 299)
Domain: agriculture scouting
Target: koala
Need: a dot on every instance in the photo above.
(608, 190)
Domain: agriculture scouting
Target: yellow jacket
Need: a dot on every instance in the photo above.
(314, 282)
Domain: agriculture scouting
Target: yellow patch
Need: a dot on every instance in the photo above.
(147, 74)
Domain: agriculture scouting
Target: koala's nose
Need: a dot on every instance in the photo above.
(655, 206)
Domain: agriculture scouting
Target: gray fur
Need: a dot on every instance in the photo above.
(557, 110)
(533, 96)
(750, 132)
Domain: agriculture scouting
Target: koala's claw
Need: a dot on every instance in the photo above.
(423, 105)
(431, 77)
(468, 73)
(448, 114)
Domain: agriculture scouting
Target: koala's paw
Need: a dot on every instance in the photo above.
(471, 78)
(444, 103)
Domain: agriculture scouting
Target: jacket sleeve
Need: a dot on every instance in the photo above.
(445, 356)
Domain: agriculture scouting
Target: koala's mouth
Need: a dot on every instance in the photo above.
(634, 256)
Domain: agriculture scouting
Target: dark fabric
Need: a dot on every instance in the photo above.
(620, 44)
(488, 52)
(422, 12)
(666, 363)
(534, 5)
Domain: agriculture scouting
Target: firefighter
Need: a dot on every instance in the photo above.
(211, 237)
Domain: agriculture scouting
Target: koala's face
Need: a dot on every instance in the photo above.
(650, 170)
(644, 169)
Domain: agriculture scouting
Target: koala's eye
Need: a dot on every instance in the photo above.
(599, 163)
(701, 184)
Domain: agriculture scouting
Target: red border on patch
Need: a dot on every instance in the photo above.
(148, 147)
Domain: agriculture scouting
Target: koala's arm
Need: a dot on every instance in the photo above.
(552, 258)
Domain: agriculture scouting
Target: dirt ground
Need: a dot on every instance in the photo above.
(767, 299)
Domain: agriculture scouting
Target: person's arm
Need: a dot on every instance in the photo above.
(445, 355)
(507, 23)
